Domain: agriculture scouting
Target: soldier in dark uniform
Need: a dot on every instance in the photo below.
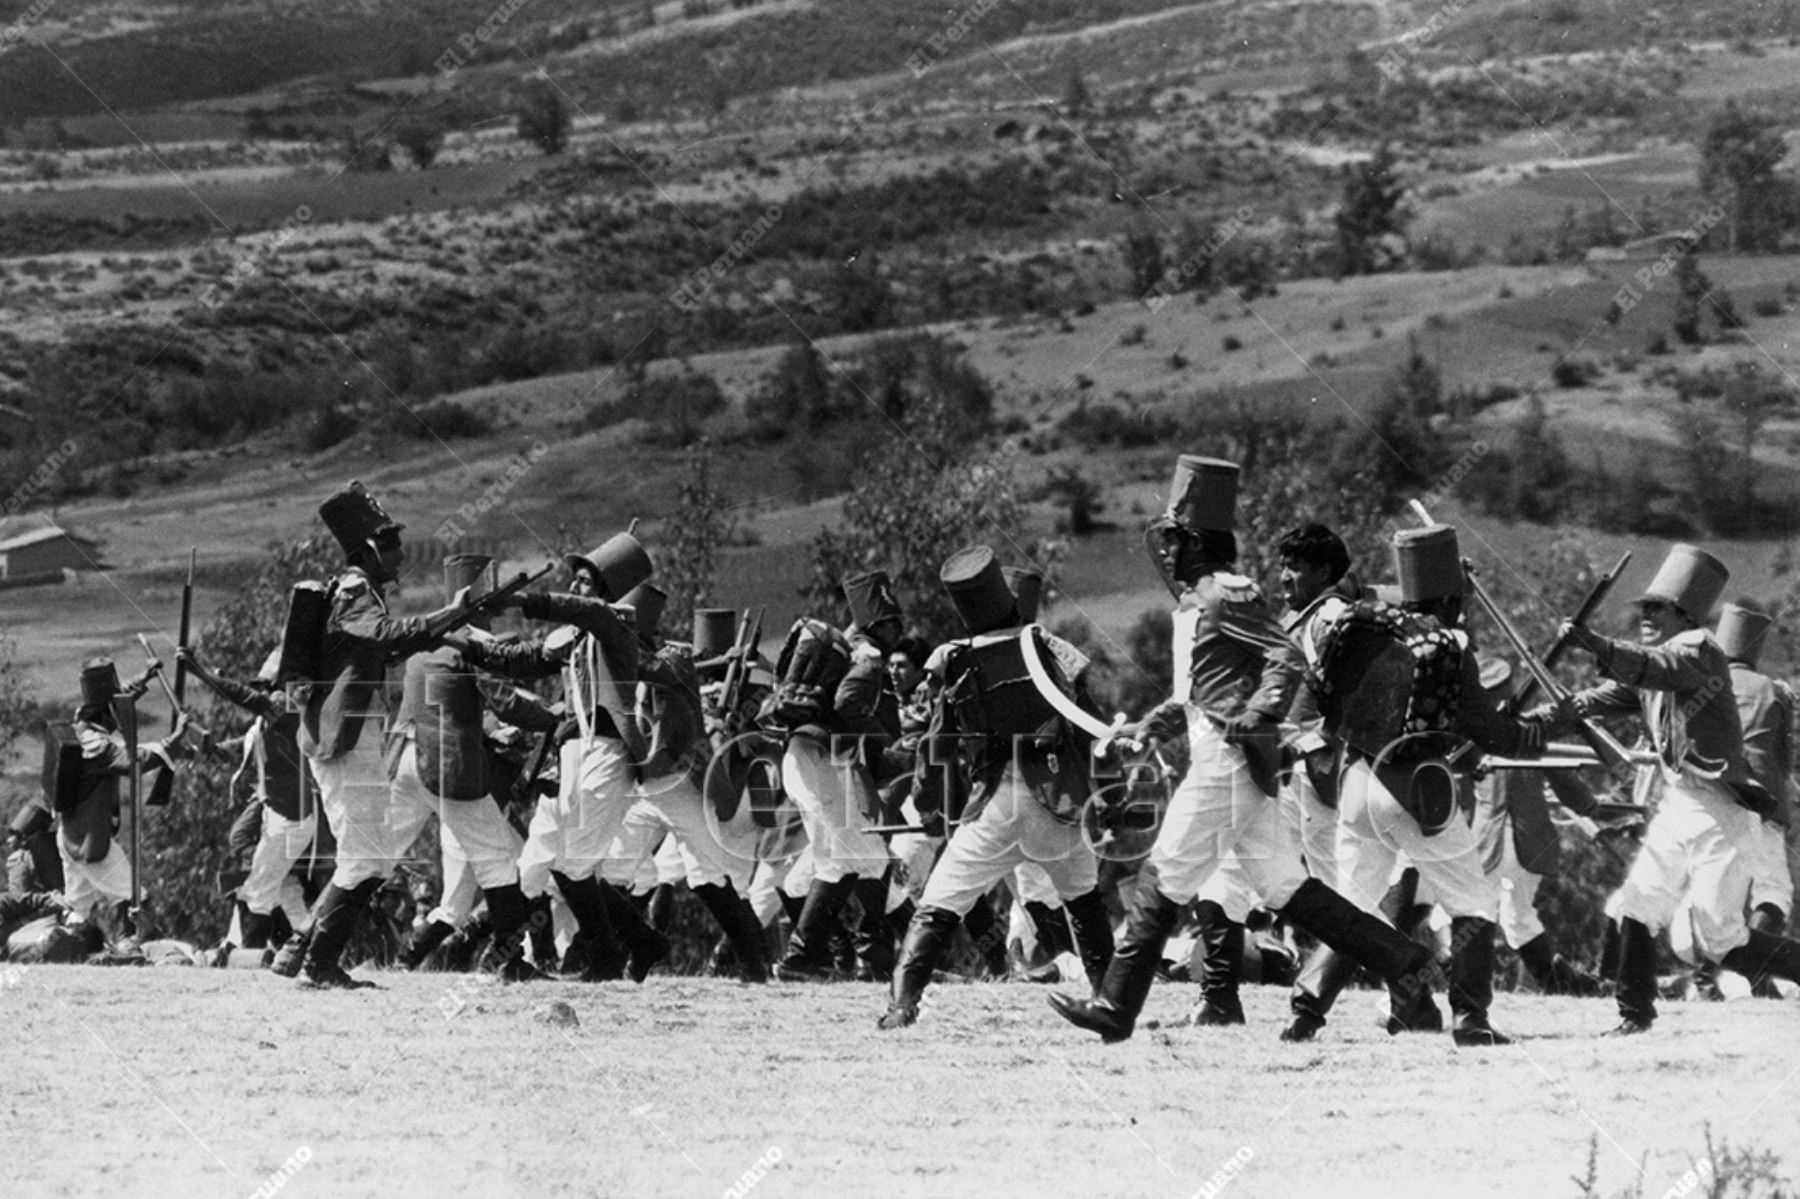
(597, 650)
(1678, 680)
(832, 769)
(1030, 773)
(96, 871)
(438, 746)
(289, 820)
(1237, 686)
(343, 725)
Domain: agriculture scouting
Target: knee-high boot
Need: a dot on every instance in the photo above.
(927, 940)
(808, 957)
(987, 935)
(1113, 1011)
(505, 954)
(1765, 957)
(540, 927)
(419, 945)
(734, 918)
(594, 928)
(334, 922)
(253, 928)
(1093, 930)
(1368, 942)
(1051, 927)
(1553, 973)
(1472, 981)
(647, 947)
(1221, 966)
(873, 940)
(1637, 978)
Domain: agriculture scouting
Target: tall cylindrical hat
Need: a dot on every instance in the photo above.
(1428, 564)
(355, 517)
(871, 598)
(1741, 632)
(977, 587)
(1203, 495)
(1027, 586)
(99, 683)
(466, 570)
(715, 632)
(616, 565)
(649, 600)
(1691, 579)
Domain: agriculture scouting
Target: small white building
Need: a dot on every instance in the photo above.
(46, 550)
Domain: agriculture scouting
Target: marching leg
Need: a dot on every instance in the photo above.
(423, 941)
(1472, 981)
(733, 916)
(1093, 934)
(1113, 1012)
(927, 940)
(874, 943)
(647, 947)
(1222, 967)
(1637, 978)
(808, 957)
(334, 923)
(585, 897)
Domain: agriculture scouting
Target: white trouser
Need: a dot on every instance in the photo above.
(283, 843)
(830, 797)
(766, 889)
(1012, 830)
(474, 831)
(570, 832)
(1318, 826)
(1374, 831)
(1218, 809)
(1693, 848)
(1519, 921)
(461, 893)
(88, 886)
(1766, 856)
(674, 808)
(355, 795)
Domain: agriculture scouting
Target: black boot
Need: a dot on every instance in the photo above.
(505, 955)
(1323, 978)
(292, 954)
(808, 957)
(1221, 966)
(463, 946)
(1553, 973)
(1472, 981)
(1368, 942)
(604, 960)
(421, 943)
(660, 909)
(1113, 1012)
(334, 922)
(253, 928)
(1637, 978)
(540, 927)
(987, 937)
(647, 947)
(927, 940)
(873, 939)
(1765, 957)
(1093, 931)
(733, 916)
(1609, 954)
(1767, 919)
(1052, 928)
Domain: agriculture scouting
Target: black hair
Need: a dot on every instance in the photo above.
(915, 649)
(1315, 545)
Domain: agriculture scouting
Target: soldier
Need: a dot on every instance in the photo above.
(1400, 798)
(834, 703)
(596, 649)
(1235, 680)
(669, 800)
(1029, 768)
(342, 727)
(1766, 710)
(97, 874)
(437, 744)
(1677, 679)
(289, 821)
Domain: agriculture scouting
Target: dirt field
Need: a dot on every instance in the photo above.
(202, 1083)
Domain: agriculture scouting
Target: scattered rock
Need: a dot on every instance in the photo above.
(556, 1014)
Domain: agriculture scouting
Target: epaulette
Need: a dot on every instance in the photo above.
(352, 583)
(1236, 588)
(1691, 637)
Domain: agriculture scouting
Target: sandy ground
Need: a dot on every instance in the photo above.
(204, 1083)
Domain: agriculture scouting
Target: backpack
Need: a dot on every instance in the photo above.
(1389, 681)
(813, 661)
(989, 688)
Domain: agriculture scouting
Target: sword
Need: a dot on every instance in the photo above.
(1104, 734)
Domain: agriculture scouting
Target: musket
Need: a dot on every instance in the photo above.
(451, 621)
(1606, 747)
(124, 707)
(1595, 597)
(181, 637)
(175, 705)
(749, 634)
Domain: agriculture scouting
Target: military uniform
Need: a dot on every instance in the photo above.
(1678, 681)
(1241, 674)
(1766, 711)
(1030, 776)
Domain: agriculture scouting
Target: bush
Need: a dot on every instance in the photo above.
(325, 426)
(544, 119)
(1577, 370)
(442, 420)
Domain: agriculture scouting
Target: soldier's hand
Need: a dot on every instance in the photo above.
(1246, 724)
(460, 642)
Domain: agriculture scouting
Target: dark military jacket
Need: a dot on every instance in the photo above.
(361, 639)
(87, 827)
(442, 707)
(275, 741)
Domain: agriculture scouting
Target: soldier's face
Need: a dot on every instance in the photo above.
(1659, 621)
(1303, 582)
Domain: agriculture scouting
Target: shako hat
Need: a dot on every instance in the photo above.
(1742, 627)
(871, 598)
(616, 565)
(977, 587)
(715, 633)
(1428, 563)
(1691, 579)
(648, 600)
(99, 683)
(356, 518)
(1203, 494)
(1027, 585)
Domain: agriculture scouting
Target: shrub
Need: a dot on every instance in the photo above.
(442, 420)
(1577, 370)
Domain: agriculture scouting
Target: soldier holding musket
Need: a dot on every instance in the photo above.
(1235, 674)
(1677, 679)
(1030, 770)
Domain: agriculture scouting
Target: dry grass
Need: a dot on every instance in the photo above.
(202, 1083)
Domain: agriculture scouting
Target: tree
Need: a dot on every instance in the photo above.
(544, 119)
(796, 395)
(1078, 494)
(19, 712)
(1372, 215)
(421, 140)
(1738, 155)
(1076, 98)
(702, 525)
(1144, 258)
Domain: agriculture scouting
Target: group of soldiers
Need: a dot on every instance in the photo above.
(1352, 764)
